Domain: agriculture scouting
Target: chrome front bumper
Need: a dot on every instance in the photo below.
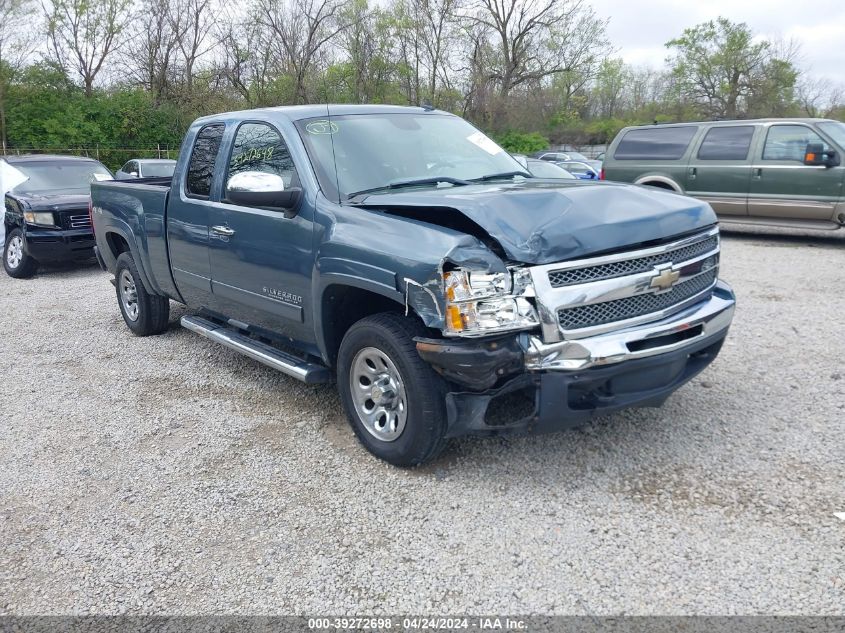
(682, 329)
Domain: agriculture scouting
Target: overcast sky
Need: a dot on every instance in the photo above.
(640, 28)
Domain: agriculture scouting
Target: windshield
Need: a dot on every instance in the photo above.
(375, 150)
(57, 176)
(153, 170)
(545, 169)
(576, 156)
(835, 130)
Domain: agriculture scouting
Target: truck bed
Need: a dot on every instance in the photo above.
(136, 209)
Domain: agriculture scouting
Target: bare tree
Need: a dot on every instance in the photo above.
(477, 85)
(83, 34)
(247, 58)
(301, 32)
(192, 22)
(408, 51)
(366, 48)
(150, 58)
(818, 96)
(17, 42)
(429, 32)
(536, 39)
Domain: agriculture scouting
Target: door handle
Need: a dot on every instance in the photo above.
(223, 230)
(757, 172)
(692, 173)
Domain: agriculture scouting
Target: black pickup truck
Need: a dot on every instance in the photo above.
(402, 253)
(47, 217)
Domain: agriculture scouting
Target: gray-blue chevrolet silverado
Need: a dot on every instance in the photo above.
(402, 253)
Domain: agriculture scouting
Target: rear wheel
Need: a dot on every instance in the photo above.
(15, 261)
(144, 313)
(394, 401)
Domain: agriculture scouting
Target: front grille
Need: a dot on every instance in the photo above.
(568, 277)
(621, 309)
(78, 222)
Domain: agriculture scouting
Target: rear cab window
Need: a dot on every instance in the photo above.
(655, 143)
(729, 142)
(200, 173)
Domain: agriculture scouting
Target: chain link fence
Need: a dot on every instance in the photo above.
(590, 151)
(111, 157)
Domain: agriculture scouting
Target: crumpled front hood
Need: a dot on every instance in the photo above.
(544, 222)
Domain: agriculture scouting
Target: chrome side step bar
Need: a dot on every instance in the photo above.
(289, 364)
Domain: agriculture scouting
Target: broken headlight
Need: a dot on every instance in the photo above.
(484, 303)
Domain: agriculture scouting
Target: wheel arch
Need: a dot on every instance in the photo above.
(117, 244)
(121, 240)
(663, 182)
(341, 304)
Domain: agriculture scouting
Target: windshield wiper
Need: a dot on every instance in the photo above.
(411, 183)
(504, 174)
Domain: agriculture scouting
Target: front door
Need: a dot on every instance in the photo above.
(261, 261)
(782, 186)
(720, 170)
(189, 210)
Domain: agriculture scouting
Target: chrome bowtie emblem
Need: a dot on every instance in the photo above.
(664, 279)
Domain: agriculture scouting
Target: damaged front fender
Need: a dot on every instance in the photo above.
(428, 300)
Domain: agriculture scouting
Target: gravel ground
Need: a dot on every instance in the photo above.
(168, 475)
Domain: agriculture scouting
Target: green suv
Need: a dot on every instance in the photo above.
(785, 172)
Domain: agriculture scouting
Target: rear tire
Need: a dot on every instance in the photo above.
(15, 261)
(144, 313)
(395, 401)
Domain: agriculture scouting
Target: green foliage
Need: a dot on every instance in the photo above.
(521, 142)
(717, 69)
(47, 112)
(722, 68)
(602, 131)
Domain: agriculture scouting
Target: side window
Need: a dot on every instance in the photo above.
(789, 142)
(201, 165)
(660, 143)
(259, 147)
(726, 143)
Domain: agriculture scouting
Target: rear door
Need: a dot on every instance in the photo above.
(188, 218)
(261, 261)
(656, 154)
(782, 186)
(719, 170)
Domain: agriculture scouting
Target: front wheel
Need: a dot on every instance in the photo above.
(394, 401)
(144, 313)
(15, 261)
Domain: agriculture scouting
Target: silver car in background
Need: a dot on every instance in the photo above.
(146, 168)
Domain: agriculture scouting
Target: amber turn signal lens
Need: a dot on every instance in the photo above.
(456, 323)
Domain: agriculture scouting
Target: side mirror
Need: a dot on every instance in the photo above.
(260, 189)
(816, 155)
(134, 174)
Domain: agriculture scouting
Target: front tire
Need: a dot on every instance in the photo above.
(395, 402)
(15, 261)
(144, 313)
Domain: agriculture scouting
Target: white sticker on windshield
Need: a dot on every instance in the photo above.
(484, 143)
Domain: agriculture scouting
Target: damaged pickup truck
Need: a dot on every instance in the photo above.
(402, 253)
